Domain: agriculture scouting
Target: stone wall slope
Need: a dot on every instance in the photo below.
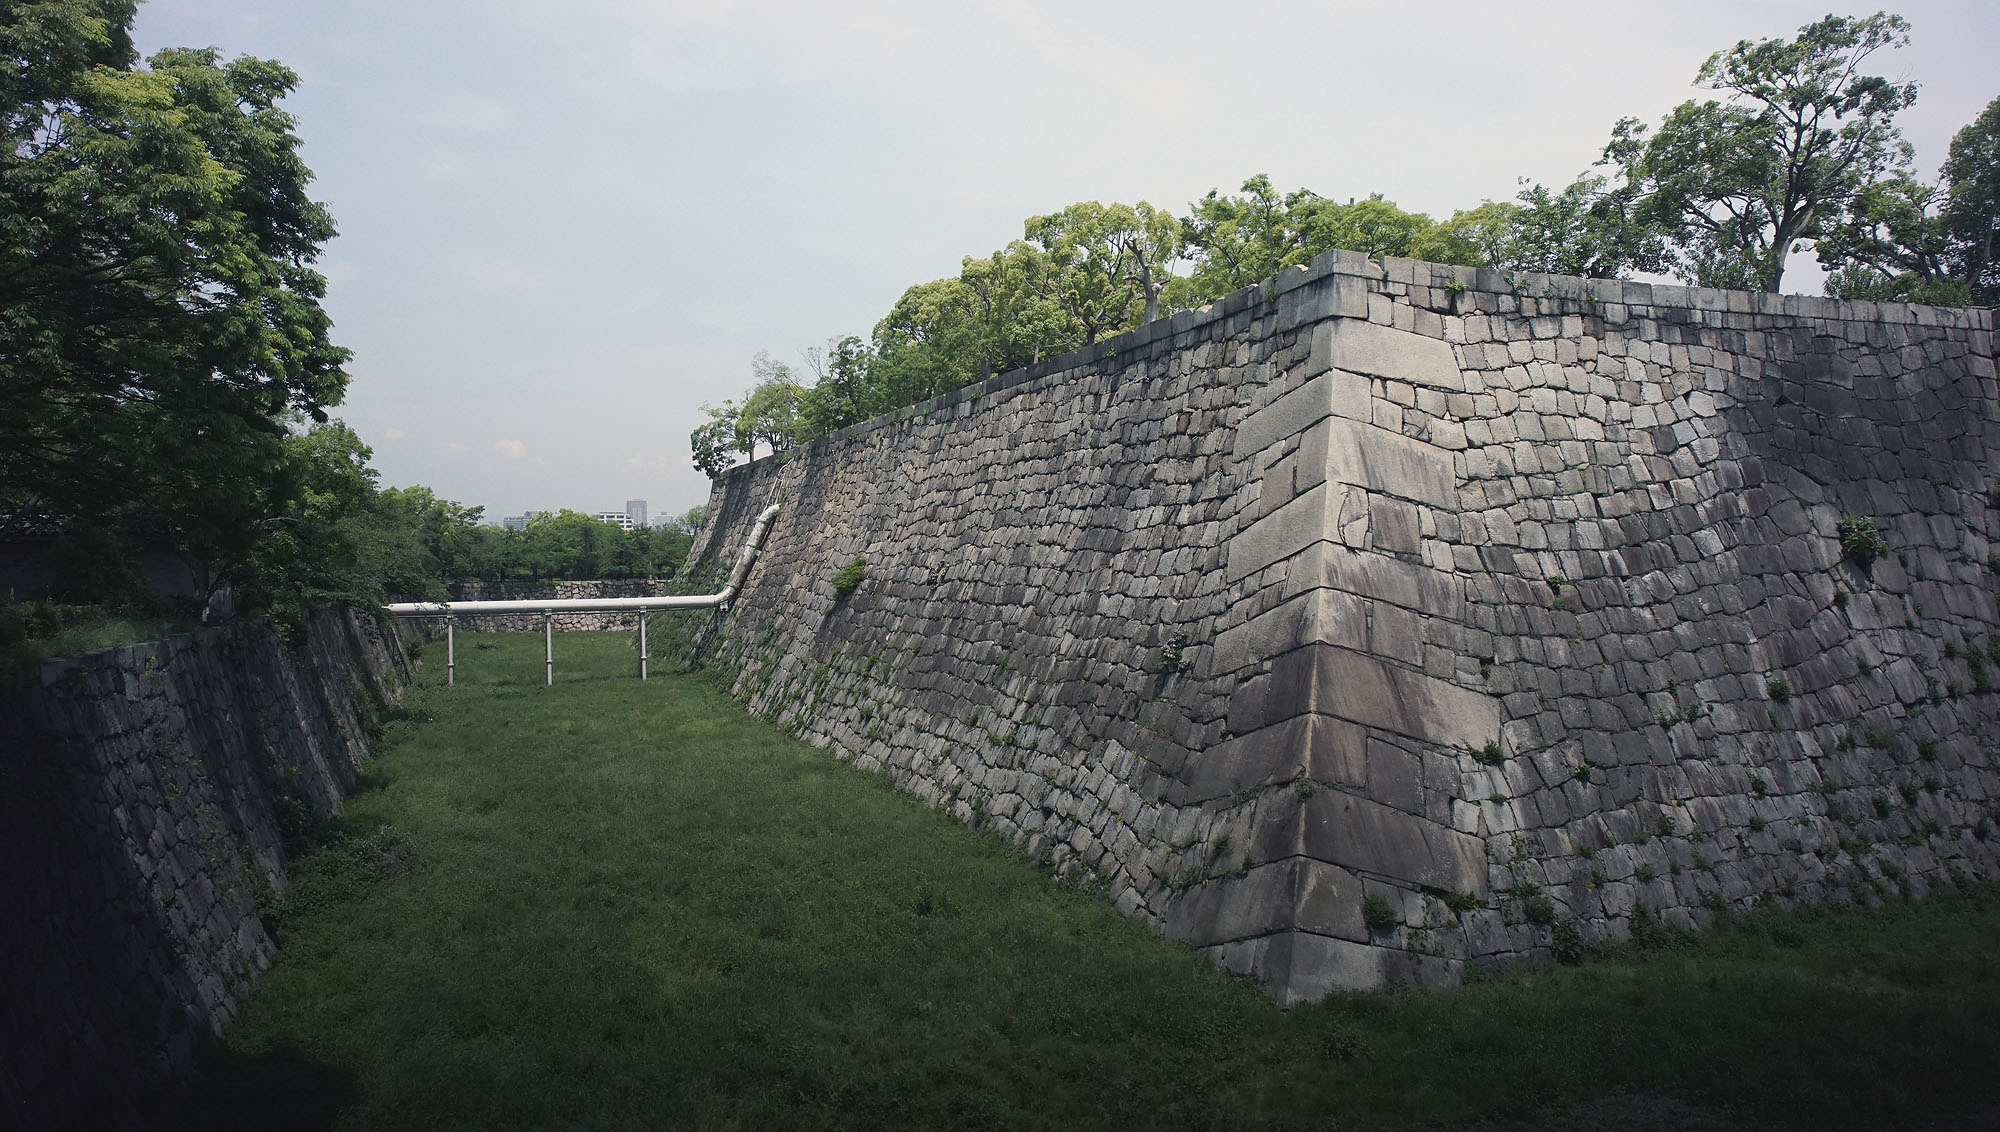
(146, 797)
(1394, 616)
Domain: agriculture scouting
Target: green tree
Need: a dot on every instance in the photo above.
(1736, 184)
(1105, 268)
(1971, 178)
(770, 414)
(1238, 241)
(840, 394)
(1892, 246)
(162, 316)
(1592, 228)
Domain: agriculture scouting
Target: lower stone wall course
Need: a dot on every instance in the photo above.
(145, 794)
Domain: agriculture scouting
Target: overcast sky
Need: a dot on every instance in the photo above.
(566, 225)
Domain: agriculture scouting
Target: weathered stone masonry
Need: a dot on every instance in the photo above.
(145, 796)
(1513, 600)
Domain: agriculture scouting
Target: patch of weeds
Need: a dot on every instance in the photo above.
(847, 579)
(1778, 688)
(1927, 750)
(1173, 653)
(1556, 583)
(1378, 912)
(1497, 798)
(337, 872)
(1490, 754)
(1645, 873)
(1566, 943)
(1462, 901)
(1860, 540)
(1757, 823)
(1536, 905)
(1910, 790)
(1305, 788)
(1582, 772)
(1882, 806)
(1840, 596)
(1875, 737)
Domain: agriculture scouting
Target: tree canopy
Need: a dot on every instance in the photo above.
(1734, 184)
(160, 318)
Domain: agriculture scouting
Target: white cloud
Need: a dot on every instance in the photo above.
(690, 46)
(511, 448)
(454, 448)
(492, 273)
(440, 167)
(467, 113)
(640, 464)
(394, 434)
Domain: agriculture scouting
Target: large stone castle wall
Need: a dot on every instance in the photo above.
(146, 797)
(1519, 603)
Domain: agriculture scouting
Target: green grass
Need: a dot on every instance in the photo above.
(610, 904)
(32, 632)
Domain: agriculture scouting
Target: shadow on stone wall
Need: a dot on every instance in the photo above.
(147, 797)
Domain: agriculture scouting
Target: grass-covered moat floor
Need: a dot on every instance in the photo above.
(611, 904)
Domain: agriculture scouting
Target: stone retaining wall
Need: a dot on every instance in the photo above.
(1393, 616)
(146, 795)
(564, 622)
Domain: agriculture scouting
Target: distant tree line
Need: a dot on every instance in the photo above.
(1797, 145)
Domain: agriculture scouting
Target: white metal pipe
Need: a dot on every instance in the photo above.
(603, 604)
(450, 655)
(549, 644)
(642, 646)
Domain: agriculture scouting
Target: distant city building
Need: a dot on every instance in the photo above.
(635, 509)
(619, 518)
(515, 522)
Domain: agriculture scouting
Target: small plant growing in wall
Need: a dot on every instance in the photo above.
(1490, 754)
(847, 579)
(1778, 688)
(1536, 904)
(1378, 913)
(1860, 540)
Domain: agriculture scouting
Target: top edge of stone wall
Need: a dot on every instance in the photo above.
(1416, 273)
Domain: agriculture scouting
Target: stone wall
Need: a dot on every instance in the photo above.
(1391, 617)
(564, 622)
(146, 797)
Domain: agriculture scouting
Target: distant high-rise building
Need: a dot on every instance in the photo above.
(618, 518)
(515, 522)
(636, 509)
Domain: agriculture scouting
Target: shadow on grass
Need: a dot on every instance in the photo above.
(237, 1092)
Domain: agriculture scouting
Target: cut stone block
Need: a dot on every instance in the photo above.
(1295, 893)
(1383, 461)
(1327, 750)
(1381, 351)
(1367, 836)
(1345, 394)
(1378, 576)
(1353, 686)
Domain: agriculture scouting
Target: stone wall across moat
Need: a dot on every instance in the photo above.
(1516, 601)
(147, 794)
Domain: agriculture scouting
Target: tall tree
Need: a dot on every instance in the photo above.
(1971, 180)
(1737, 183)
(162, 316)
